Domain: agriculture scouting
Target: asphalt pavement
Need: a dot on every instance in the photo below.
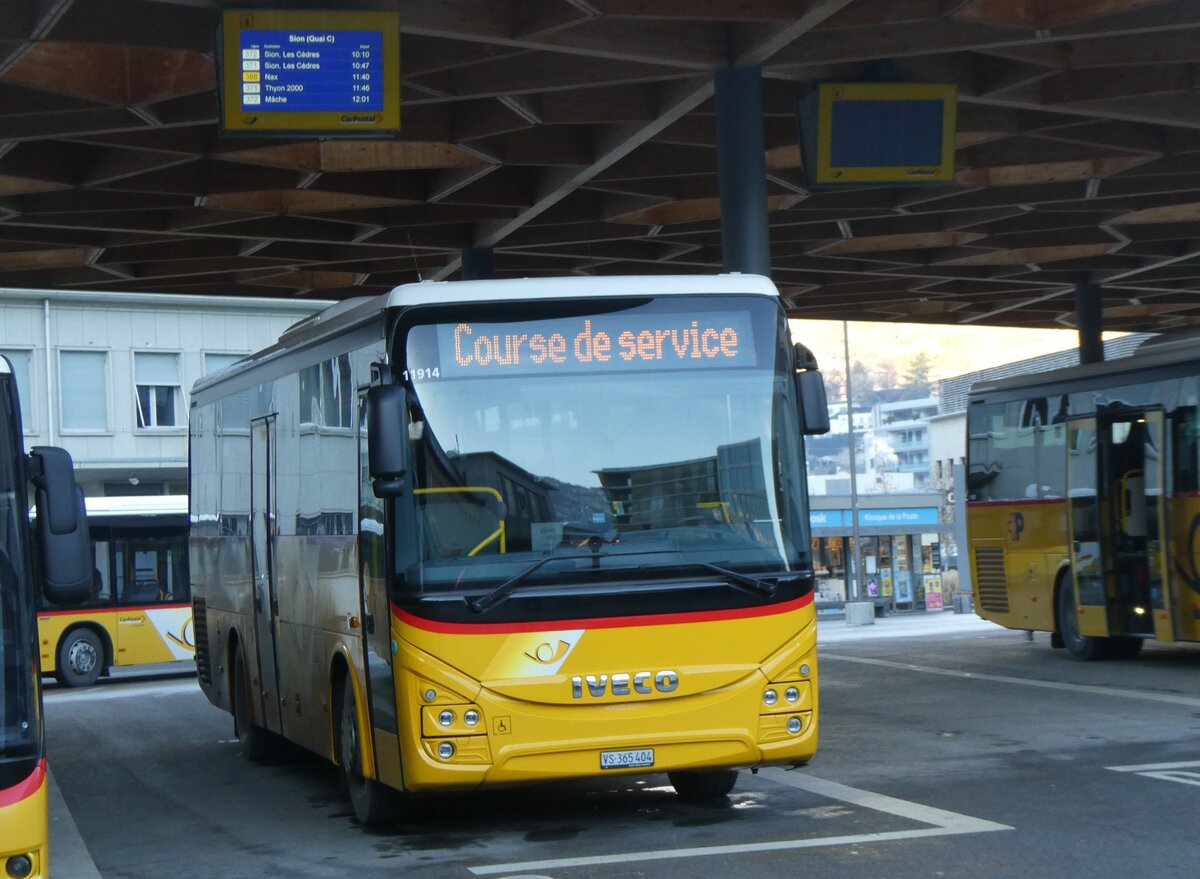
(70, 858)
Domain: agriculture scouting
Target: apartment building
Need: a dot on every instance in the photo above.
(107, 375)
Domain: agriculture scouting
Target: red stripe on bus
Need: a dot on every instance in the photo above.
(93, 611)
(24, 789)
(662, 619)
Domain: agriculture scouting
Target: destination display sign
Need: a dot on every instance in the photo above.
(629, 342)
(294, 72)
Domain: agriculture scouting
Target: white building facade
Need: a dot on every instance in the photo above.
(107, 375)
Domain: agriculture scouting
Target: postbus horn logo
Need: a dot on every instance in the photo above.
(547, 653)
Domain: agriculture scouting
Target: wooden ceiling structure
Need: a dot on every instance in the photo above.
(579, 136)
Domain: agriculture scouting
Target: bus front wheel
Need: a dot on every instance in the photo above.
(80, 658)
(698, 787)
(253, 741)
(1082, 647)
(373, 803)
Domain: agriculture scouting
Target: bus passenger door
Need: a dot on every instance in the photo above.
(1157, 566)
(377, 618)
(1084, 526)
(266, 601)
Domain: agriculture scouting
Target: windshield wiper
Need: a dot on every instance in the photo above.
(742, 582)
(480, 603)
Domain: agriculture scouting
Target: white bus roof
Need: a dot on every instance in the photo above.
(352, 311)
(139, 505)
(362, 310)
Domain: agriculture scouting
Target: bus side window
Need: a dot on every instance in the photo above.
(101, 588)
(1183, 464)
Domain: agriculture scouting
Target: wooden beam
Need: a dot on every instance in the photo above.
(1032, 255)
(295, 201)
(693, 211)
(357, 155)
(1049, 172)
(112, 74)
(1045, 13)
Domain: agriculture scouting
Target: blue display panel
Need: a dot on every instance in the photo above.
(315, 71)
(333, 73)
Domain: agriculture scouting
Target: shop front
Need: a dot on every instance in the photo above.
(900, 556)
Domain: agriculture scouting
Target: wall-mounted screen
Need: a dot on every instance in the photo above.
(328, 73)
(884, 133)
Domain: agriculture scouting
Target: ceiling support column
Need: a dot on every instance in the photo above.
(1090, 322)
(477, 264)
(742, 170)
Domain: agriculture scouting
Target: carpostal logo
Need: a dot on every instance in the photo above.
(361, 118)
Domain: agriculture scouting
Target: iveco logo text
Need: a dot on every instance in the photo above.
(642, 682)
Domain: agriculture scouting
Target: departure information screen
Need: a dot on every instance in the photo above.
(319, 72)
(312, 70)
(623, 342)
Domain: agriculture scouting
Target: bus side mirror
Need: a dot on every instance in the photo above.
(63, 543)
(387, 439)
(810, 393)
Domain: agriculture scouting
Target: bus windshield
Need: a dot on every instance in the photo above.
(636, 435)
(18, 696)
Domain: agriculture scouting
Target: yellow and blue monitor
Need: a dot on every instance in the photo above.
(878, 133)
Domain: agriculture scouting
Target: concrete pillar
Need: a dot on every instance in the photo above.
(1088, 318)
(742, 170)
(477, 264)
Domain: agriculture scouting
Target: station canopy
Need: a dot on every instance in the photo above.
(579, 136)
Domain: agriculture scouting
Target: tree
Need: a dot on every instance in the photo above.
(916, 375)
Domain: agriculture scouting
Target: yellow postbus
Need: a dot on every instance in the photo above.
(488, 532)
(1084, 505)
(61, 569)
(139, 610)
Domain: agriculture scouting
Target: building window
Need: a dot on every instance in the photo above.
(83, 390)
(214, 362)
(156, 377)
(20, 361)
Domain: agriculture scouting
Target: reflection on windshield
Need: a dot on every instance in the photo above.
(692, 463)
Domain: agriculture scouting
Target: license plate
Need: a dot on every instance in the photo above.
(627, 759)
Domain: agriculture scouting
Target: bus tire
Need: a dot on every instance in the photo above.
(254, 742)
(373, 803)
(699, 787)
(1085, 648)
(80, 658)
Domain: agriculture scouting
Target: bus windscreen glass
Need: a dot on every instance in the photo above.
(631, 435)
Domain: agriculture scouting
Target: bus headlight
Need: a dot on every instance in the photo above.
(446, 718)
(470, 717)
(794, 725)
(791, 694)
(19, 866)
(445, 750)
(770, 697)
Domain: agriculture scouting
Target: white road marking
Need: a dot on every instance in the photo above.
(944, 824)
(1169, 698)
(1187, 772)
(125, 690)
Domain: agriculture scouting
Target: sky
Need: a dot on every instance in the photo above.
(952, 350)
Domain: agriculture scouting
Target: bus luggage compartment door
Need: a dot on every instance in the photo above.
(266, 601)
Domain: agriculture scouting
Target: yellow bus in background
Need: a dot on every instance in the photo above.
(139, 610)
(492, 532)
(1083, 505)
(55, 568)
